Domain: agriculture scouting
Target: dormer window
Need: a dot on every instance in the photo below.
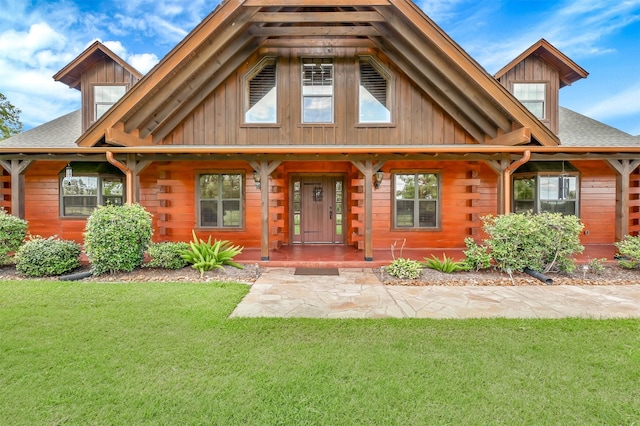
(373, 105)
(533, 97)
(261, 93)
(104, 97)
(317, 90)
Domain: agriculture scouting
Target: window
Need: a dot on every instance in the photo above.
(261, 102)
(220, 200)
(416, 200)
(81, 194)
(104, 97)
(532, 96)
(374, 93)
(317, 90)
(556, 193)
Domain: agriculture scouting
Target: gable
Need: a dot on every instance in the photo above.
(236, 30)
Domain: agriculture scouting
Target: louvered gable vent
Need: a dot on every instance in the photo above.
(262, 83)
(373, 82)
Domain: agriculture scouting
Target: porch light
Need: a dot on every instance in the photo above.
(377, 179)
(68, 171)
(257, 179)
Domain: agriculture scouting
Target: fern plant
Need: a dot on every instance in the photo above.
(205, 256)
(446, 265)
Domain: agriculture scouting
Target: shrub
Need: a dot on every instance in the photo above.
(476, 256)
(13, 231)
(116, 238)
(41, 257)
(629, 249)
(405, 268)
(167, 255)
(446, 265)
(540, 242)
(205, 256)
(596, 265)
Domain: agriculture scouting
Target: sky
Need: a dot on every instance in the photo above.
(38, 38)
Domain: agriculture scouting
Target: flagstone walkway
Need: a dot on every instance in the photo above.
(357, 293)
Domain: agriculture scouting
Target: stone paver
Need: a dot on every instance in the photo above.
(357, 293)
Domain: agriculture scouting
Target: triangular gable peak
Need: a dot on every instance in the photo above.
(568, 70)
(238, 30)
(101, 76)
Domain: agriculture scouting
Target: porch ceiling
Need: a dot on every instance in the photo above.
(236, 29)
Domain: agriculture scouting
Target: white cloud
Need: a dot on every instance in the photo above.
(621, 104)
(143, 62)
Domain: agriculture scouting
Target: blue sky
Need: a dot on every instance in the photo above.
(38, 38)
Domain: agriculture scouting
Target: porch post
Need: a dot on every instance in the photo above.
(136, 168)
(16, 168)
(368, 169)
(264, 169)
(623, 169)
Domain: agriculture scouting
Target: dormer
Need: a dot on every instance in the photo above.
(535, 78)
(101, 76)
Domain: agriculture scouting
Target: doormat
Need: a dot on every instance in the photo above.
(316, 271)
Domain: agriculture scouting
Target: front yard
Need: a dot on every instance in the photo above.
(166, 353)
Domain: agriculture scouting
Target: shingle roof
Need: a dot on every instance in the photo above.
(579, 130)
(59, 133)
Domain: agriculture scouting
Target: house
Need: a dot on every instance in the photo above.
(286, 123)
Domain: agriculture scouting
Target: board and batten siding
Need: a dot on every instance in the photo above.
(416, 120)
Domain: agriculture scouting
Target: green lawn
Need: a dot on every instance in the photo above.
(156, 353)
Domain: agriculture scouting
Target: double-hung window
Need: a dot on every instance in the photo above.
(317, 90)
(81, 194)
(416, 203)
(373, 104)
(104, 97)
(220, 200)
(533, 97)
(261, 93)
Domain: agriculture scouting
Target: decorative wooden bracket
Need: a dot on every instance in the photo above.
(519, 136)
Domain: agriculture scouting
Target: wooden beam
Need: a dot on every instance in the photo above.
(444, 74)
(296, 17)
(478, 127)
(368, 168)
(517, 137)
(264, 169)
(314, 3)
(624, 168)
(16, 169)
(114, 136)
(321, 42)
(179, 112)
(304, 31)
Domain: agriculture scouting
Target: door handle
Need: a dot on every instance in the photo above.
(330, 213)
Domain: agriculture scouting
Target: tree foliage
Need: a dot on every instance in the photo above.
(10, 123)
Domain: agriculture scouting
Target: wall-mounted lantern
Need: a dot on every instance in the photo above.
(377, 179)
(257, 179)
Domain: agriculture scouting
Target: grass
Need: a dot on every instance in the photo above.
(166, 353)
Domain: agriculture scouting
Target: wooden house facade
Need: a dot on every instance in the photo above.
(280, 123)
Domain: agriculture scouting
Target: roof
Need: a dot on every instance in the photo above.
(162, 99)
(579, 130)
(569, 71)
(59, 133)
(70, 74)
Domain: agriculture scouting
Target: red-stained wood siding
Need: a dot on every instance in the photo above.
(415, 118)
(597, 201)
(535, 70)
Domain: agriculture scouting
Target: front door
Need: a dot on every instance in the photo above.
(317, 209)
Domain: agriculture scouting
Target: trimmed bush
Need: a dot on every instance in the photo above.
(541, 242)
(629, 249)
(167, 255)
(42, 257)
(116, 238)
(477, 257)
(13, 231)
(404, 268)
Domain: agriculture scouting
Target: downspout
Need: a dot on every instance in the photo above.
(506, 179)
(127, 172)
